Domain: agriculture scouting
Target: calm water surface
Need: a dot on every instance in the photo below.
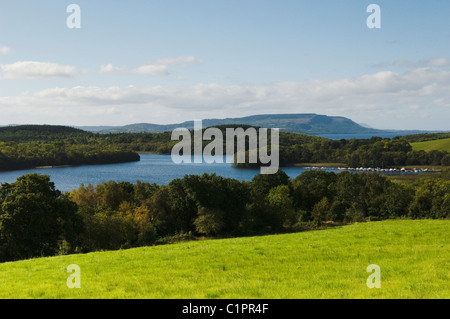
(151, 168)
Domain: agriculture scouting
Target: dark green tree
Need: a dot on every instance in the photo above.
(35, 218)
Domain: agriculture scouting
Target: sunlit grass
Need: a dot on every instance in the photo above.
(439, 145)
(414, 257)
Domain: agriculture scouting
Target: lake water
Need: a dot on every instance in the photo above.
(151, 168)
(154, 168)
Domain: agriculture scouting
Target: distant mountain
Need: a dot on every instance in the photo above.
(312, 124)
(365, 125)
(95, 129)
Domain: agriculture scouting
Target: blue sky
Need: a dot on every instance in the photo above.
(171, 61)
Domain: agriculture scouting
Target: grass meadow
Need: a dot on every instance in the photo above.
(413, 255)
(438, 145)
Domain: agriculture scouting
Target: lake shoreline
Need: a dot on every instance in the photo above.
(322, 166)
(153, 168)
(63, 166)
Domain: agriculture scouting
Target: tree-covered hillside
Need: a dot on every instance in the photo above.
(30, 146)
(44, 133)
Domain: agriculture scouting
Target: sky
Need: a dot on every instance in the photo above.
(169, 61)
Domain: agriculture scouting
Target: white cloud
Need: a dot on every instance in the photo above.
(384, 99)
(36, 70)
(109, 68)
(151, 69)
(433, 62)
(182, 60)
(147, 69)
(4, 50)
(158, 67)
(438, 62)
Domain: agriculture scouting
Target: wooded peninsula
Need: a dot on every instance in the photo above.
(30, 146)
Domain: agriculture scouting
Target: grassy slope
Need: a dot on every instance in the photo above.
(413, 256)
(439, 145)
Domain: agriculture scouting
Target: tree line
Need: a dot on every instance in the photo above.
(38, 220)
(14, 156)
(29, 146)
(424, 137)
(374, 152)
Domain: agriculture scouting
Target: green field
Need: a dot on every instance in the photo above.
(438, 145)
(414, 178)
(414, 257)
